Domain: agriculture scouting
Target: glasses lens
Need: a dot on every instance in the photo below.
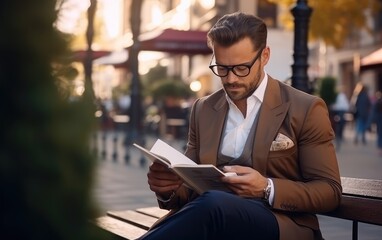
(238, 70)
(241, 70)
(220, 71)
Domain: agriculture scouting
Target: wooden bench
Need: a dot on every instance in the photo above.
(361, 202)
(130, 224)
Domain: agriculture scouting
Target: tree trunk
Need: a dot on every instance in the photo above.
(135, 124)
(88, 62)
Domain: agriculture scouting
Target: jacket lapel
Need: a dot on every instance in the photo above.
(271, 116)
(211, 133)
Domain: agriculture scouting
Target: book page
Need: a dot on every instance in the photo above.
(153, 157)
(202, 177)
(161, 148)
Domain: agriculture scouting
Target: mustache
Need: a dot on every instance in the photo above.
(233, 85)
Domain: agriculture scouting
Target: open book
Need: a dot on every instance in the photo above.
(199, 177)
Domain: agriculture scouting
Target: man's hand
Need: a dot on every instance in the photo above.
(162, 181)
(247, 183)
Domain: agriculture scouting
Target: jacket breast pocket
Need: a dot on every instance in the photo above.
(283, 153)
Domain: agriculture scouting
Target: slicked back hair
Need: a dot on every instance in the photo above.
(234, 27)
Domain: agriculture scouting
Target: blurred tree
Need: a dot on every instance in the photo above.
(135, 111)
(63, 71)
(170, 87)
(92, 24)
(46, 170)
(151, 78)
(333, 21)
(327, 89)
(88, 61)
(78, 39)
(155, 73)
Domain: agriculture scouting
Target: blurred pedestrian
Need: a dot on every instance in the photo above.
(339, 109)
(362, 106)
(376, 118)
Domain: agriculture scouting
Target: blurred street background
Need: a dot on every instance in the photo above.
(137, 66)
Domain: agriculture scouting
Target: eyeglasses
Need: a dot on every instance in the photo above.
(240, 70)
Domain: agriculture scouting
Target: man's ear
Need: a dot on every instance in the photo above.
(265, 55)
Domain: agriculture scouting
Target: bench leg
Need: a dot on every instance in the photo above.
(355, 230)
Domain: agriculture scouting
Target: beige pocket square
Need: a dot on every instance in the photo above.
(281, 142)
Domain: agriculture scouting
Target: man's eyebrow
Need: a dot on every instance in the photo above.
(240, 64)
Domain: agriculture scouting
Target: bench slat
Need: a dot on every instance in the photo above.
(362, 187)
(117, 227)
(140, 220)
(153, 211)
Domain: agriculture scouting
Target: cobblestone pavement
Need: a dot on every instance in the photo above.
(122, 184)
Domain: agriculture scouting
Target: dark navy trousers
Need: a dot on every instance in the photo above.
(218, 215)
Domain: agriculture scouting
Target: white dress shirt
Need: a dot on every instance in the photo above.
(238, 127)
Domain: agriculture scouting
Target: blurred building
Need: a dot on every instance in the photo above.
(348, 64)
(357, 61)
(194, 15)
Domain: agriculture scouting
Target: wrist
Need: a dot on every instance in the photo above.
(267, 190)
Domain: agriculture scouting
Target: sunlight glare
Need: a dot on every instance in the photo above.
(112, 15)
(195, 86)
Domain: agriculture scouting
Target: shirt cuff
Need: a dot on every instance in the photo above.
(272, 194)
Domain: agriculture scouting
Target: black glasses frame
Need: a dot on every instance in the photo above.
(232, 67)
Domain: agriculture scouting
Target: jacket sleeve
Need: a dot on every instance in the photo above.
(318, 187)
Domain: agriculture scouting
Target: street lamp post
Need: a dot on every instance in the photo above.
(301, 13)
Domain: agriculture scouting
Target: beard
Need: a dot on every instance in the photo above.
(235, 90)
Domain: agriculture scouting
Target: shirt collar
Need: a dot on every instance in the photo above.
(260, 91)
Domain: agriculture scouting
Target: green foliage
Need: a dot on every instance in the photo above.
(158, 84)
(151, 78)
(155, 73)
(327, 90)
(171, 88)
(46, 170)
(334, 21)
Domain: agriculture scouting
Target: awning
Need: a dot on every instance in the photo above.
(175, 41)
(166, 41)
(372, 61)
(119, 58)
(80, 55)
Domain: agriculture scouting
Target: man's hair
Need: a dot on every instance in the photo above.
(234, 27)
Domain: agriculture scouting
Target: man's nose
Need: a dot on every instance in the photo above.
(231, 77)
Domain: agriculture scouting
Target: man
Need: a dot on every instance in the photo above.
(339, 108)
(287, 170)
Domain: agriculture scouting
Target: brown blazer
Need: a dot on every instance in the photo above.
(306, 177)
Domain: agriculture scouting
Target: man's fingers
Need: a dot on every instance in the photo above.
(239, 170)
(158, 167)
